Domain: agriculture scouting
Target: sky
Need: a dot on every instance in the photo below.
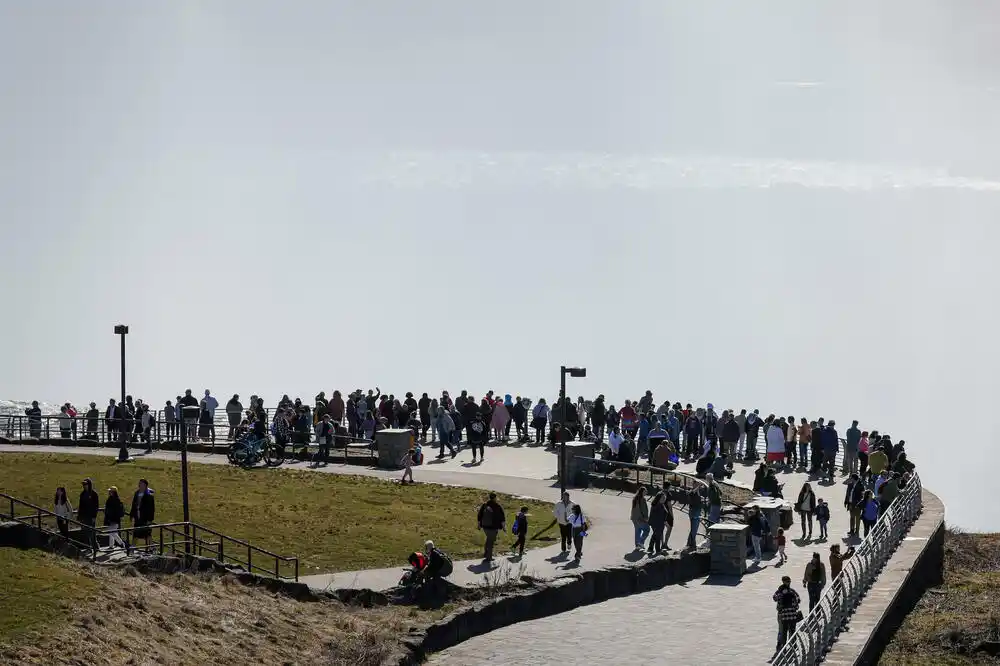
(786, 206)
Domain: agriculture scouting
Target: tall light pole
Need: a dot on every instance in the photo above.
(122, 330)
(572, 372)
(185, 413)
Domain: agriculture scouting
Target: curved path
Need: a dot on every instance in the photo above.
(711, 620)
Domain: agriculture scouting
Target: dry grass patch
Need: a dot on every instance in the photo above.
(950, 621)
(120, 617)
(331, 522)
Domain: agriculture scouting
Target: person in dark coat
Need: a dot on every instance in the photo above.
(520, 417)
(657, 523)
(86, 511)
(143, 511)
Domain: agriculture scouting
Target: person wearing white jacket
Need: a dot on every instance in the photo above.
(775, 444)
(63, 511)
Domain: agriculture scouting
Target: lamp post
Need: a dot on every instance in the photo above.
(122, 330)
(184, 474)
(572, 372)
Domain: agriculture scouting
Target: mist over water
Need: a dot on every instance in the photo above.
(791, 207)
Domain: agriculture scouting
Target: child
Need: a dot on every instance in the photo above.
(780, 540)
(407, 463)
(520, 530)
(823, 516)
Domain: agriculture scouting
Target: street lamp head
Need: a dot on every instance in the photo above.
(121, 329)
(577, 372)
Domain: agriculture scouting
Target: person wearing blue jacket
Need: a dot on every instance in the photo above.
(831, 444)
(673, 427)
(643, 435)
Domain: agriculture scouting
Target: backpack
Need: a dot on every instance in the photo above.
(446, 564)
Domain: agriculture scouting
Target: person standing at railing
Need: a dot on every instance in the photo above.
(789, 614)
(805, 436)
(93, 415)
(869, 511)
(851, 449)
(189, 417)
(142, 512)
(540, 420)
(147, 421)
(34, 414)
(63, 511)
(754, 424)
(114, 511)
(170, 418)
(816, 446)
(814, 579)
(112, 419)
(337, 408)
(65, 423)
(72, 411)
(325, 431)
(234, 413)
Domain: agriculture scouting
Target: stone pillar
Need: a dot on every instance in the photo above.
(573, 465)
(391, 445)
(728, 544)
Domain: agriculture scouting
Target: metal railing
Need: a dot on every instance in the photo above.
(815, 634)
(100, 431)
(731, 493)
(170, 538)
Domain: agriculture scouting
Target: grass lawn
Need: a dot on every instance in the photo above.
(38, 588)
(952, 620)
(59, 612)
(331, 522)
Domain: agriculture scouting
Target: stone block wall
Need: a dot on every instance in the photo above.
(728, 548)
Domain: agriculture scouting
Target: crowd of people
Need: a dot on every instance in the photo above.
(141, 511)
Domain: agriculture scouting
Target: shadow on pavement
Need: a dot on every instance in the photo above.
(480, 567)
(726, 581)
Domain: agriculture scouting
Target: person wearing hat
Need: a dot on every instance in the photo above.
(86, 511)
(93, 416)
(114, 511)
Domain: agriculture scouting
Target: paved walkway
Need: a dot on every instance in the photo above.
(677, 615)
(739, 612)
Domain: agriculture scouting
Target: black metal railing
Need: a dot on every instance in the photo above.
(162, 539)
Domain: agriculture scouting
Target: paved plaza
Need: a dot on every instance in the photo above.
(677, 615)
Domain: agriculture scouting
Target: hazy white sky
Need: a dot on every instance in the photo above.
(784, 205)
